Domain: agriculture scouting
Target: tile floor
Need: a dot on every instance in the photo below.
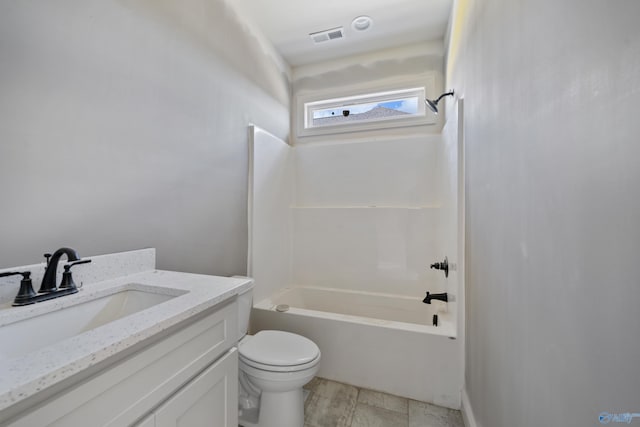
(333, 404)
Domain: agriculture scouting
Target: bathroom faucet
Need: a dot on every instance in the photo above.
(48, 289)
(49, 279)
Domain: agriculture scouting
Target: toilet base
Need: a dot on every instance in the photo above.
(248, 417)
(277, 409)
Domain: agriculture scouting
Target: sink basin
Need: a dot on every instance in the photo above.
(31, 334)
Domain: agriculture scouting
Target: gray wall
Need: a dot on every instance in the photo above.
(123, 124)
(553, 208)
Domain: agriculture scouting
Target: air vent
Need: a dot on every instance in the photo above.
(327, 35)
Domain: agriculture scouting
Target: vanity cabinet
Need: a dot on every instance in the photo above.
(186, 377)
(209, 400)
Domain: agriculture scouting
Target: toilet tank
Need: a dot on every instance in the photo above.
(245, 304)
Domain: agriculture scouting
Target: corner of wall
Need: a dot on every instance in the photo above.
(467, 411)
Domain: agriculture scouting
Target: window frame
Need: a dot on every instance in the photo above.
(309, 102)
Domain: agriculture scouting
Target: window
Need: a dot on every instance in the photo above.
(395, 104)
(373, 107)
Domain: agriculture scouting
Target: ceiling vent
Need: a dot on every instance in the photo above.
(327, 35)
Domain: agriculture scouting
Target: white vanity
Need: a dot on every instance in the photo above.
(136, 346)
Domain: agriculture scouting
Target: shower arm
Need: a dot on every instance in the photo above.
(443, 95)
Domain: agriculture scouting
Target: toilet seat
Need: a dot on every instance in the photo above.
(276, 368)
(278, 351)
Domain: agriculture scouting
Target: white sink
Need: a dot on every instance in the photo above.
(37, 332)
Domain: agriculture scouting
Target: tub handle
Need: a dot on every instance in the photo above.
(444, 266)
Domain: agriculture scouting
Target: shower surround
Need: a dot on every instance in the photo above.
(343, 233)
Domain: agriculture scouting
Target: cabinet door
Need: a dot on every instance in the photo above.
(209, 400)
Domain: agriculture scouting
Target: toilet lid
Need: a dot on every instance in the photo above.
(279, 348)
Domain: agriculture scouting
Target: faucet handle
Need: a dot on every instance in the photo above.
(67, 278)
(26, 293)
(14, 273)
(444, 266)
(67, 267)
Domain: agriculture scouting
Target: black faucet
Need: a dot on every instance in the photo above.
(49, 279)
(440, 297)
(48, 288)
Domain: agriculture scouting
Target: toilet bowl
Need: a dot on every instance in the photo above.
(273, 367)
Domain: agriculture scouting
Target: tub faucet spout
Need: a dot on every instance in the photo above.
(440, 297)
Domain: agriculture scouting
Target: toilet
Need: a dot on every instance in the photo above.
(273, 367)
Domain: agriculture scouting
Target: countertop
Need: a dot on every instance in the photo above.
(24, 376)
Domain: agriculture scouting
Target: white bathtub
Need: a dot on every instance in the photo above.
(378, 341)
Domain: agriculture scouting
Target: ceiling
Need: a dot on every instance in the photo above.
(287, 24)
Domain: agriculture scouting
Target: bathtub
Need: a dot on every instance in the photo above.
(377, 341)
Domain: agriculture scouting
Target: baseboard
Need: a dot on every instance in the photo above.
(467, 413)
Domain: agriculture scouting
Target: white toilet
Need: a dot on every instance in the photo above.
(273, 367)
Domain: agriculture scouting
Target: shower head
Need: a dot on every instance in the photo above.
(433, 105)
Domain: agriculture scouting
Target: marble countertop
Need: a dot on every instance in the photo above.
(25, 375)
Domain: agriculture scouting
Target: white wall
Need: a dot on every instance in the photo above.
(270, 219)
(403, 61)
(398, 171)
(449, 217)
(365, 215)
(553, 208)
(124, 125)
